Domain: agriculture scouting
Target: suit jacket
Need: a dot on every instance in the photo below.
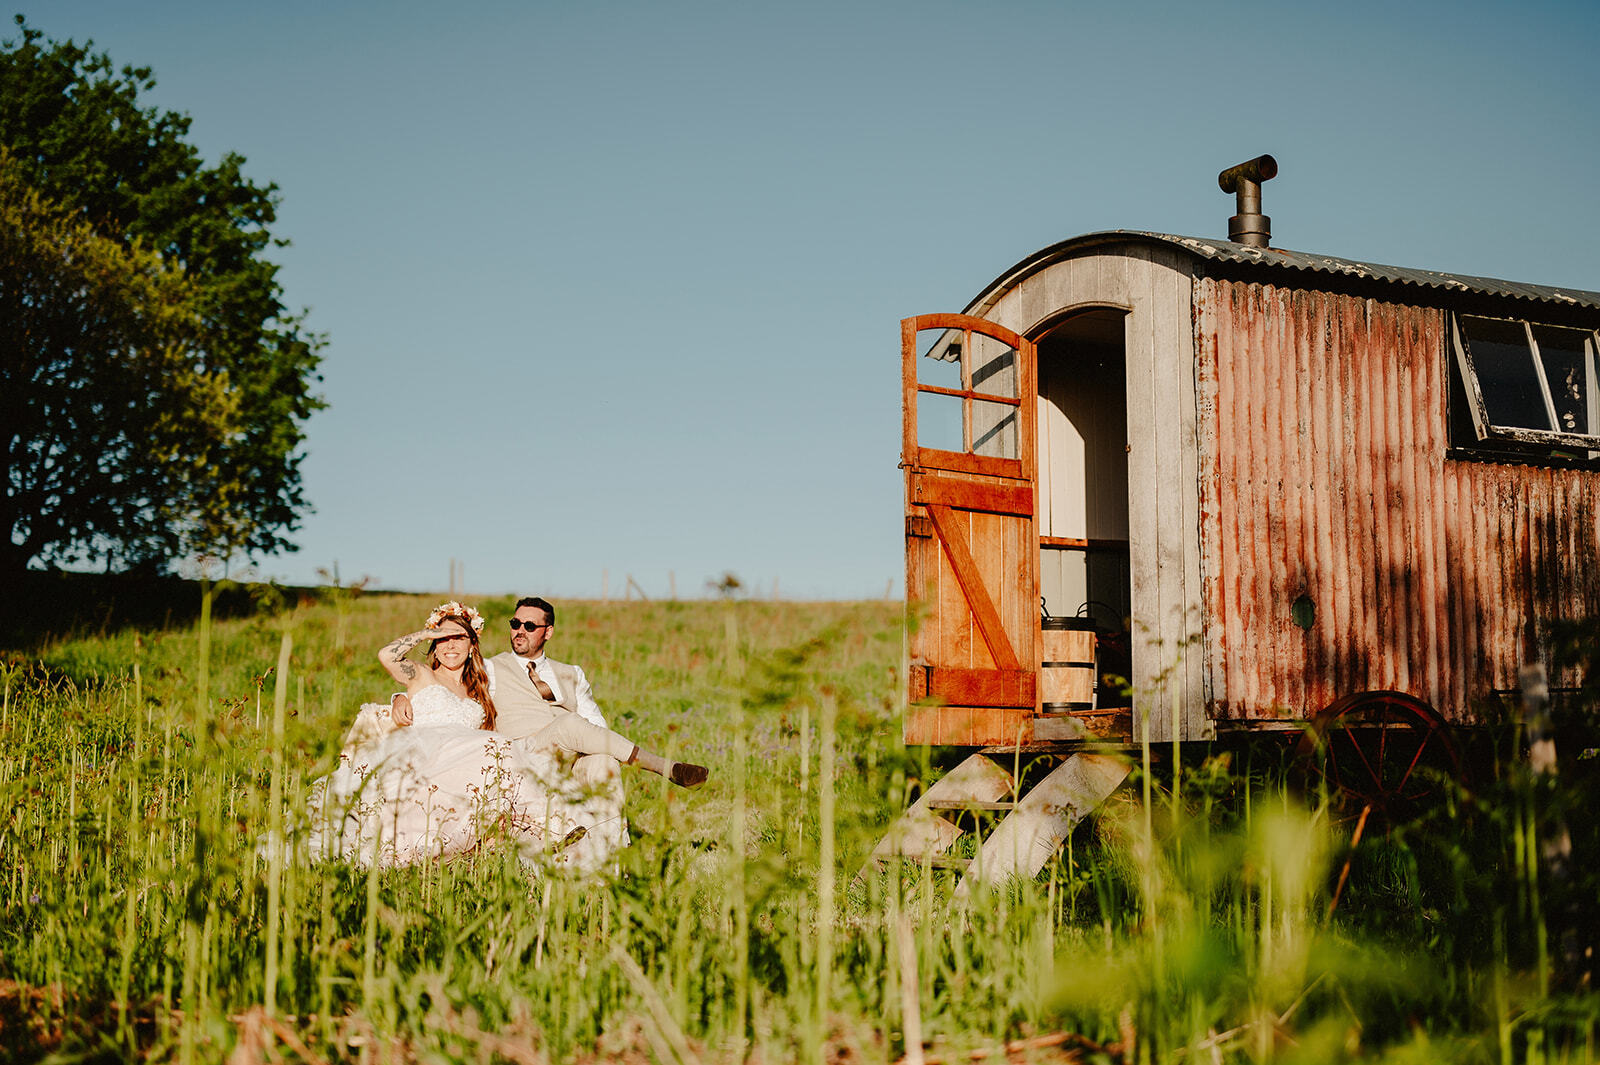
(520, 709)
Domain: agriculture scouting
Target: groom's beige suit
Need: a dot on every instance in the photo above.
(524, 715)
(521, 710)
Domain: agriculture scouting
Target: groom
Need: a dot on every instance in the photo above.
(530, 687)
(537, 695)
(533, 691)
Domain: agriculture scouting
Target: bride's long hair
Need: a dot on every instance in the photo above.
(474, 677)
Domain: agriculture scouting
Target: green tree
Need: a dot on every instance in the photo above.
(111, 406)
(237, 369)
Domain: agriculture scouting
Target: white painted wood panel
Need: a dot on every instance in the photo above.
(1155, 287)
(1063, 580)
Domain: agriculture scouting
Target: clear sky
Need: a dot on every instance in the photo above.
(614, 287)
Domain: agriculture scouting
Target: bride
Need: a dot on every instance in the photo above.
(430, 778)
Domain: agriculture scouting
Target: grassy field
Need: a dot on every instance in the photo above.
(1191, 920)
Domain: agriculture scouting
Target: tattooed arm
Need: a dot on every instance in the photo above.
(413, 675)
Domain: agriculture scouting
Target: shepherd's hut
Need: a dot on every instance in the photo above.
(1256, 483)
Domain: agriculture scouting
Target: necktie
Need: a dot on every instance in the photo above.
(544, 689)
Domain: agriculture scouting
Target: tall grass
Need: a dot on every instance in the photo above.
(1190, 920)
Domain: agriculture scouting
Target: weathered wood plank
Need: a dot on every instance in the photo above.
(922, 593)
(908, 391)
(1113, 723)
(986, 536)
(920, 831)
(1060, 728)
(979, 687)
(1144, 518)
(968, 726)
(960, 462)
(959, 552)
(1170, 360)
(959, 644)
(987, 397)
(973, 804)
(1044, 817)
(1022, 594)
(929, 489)
(1185, 520)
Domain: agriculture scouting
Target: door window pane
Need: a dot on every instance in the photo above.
(939, 358)
(994, 429)
(994, 366)
(939, 421)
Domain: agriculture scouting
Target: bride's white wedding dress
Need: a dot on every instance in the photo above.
(437, 787)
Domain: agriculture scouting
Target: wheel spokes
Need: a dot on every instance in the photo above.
(1372, 747)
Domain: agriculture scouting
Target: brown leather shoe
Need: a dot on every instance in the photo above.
(688, 775)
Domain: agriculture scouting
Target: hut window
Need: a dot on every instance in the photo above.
(967, 398)
(1524, 390)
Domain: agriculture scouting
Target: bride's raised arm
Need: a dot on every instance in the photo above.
(414, 675)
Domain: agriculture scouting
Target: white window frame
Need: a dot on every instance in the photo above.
(1535, 441)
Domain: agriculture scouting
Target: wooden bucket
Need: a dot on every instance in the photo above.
(1067, 674)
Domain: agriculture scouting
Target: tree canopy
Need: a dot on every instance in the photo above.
(152, 381)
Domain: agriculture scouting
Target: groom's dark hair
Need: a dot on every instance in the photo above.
(537, 604)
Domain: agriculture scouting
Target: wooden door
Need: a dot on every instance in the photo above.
(972, 551)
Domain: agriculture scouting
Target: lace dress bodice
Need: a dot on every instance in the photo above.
(436, 706)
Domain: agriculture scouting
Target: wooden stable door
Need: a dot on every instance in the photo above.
(972, 550)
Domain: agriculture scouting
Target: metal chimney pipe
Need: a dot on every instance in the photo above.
(1249, 226)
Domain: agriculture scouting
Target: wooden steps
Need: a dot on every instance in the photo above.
(1032, 826)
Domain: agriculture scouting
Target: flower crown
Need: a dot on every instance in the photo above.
(444, 610)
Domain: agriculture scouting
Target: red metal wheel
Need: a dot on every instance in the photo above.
(1383, 750)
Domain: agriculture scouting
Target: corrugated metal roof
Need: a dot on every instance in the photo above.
(1282, 258)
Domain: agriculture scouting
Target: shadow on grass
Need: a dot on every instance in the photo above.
(46, 605)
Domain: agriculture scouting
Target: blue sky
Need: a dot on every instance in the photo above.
(613, 288)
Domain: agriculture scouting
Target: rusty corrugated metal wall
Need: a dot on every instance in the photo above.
(1323, 473)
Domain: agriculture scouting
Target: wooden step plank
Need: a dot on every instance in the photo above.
(943, 861)
(1030, 834)
(971, 804)
(921, 830)
(1101, 722)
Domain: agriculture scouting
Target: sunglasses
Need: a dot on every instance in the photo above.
(518, 623)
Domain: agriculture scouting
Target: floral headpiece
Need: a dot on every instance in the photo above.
(444, 610)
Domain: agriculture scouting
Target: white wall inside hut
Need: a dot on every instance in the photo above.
(1083, 469)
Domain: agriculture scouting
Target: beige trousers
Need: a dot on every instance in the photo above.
(573, 734)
